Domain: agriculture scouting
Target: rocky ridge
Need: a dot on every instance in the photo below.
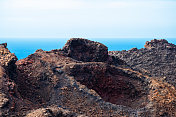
(157, 59)
(80, 80)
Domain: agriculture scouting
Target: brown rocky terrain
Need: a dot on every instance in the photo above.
(157, 59)
(80, 80)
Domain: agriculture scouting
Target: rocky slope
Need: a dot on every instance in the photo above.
(80, 80)
(157, 59)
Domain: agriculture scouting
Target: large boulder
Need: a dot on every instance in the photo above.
(86, 50)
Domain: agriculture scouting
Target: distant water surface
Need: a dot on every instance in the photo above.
(24, 47)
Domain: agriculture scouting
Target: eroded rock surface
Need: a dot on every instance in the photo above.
(7, 60)
(43, 78)
(11, 103)
(111, 83)
(86, 50)
(89, 51)
(157, 59)
(81, 80)
(52, 111)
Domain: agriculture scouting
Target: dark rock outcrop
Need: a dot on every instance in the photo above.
(159, 44)
(7, 60)
(89, 51)
(44, 79)
(86, 50)
(11, 102)
(79, 85)
(157, 59)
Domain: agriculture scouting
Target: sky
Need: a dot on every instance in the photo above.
(88, 18)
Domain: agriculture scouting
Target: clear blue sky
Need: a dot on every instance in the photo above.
(88, 18)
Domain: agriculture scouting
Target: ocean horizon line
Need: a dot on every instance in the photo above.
(23, 48)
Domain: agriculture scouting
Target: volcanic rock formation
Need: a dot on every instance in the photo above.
(86, 50)
(77, 81)
(157, 59)
(89, 51)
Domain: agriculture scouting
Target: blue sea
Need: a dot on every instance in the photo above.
(24, 47)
